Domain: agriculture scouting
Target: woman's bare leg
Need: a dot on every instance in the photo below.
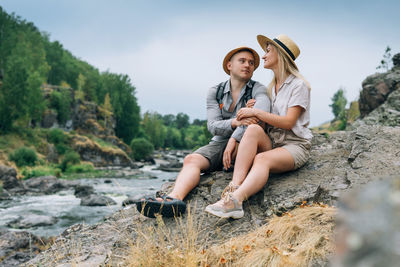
(276, 161)
(254, 141)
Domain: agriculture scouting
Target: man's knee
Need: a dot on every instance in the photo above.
(195, 159)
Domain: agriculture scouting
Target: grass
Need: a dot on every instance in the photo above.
(299, 238)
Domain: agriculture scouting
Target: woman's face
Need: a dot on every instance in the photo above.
(270, 57)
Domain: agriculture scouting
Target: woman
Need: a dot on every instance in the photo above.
(287, 147)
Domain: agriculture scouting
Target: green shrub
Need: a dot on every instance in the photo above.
(57, 136)
(61, 149)
(23, 156)
(141, 148)
(80, 168)
(41, 171)
(70, 158)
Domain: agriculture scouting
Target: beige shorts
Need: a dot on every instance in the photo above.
(298, 147)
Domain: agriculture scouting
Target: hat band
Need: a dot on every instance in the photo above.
(285, 48)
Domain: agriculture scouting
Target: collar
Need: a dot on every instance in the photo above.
(228, 86)
(289, 79)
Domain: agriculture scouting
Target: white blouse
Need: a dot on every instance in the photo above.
(293, 92)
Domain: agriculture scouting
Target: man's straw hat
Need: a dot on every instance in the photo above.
(284, 43)
(237, 50)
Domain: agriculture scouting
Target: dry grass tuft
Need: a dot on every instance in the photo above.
(298, 238)
(295, 239)
(159, 246)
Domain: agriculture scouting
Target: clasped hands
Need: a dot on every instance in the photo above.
(245, 116)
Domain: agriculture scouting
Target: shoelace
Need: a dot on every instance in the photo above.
(230, 188)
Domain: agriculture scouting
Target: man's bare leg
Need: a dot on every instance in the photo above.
(189, 177)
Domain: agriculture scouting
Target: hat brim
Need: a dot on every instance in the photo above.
(237, 50)
(263, 41)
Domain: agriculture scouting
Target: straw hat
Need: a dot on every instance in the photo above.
(237, 50)
(284, 43)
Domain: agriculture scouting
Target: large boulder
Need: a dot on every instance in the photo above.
(18, 247)
(338, 163)
(377, 87)
(97, 200)
(9, 180)
(369, 223)
(47, 185)
(32, 220)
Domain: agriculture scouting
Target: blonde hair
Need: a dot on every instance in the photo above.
(285, 66)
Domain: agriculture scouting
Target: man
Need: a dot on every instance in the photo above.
(223, 102)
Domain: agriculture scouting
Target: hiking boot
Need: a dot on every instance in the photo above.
(230, 188)
(227, 207)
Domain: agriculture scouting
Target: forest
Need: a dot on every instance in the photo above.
(29, 60)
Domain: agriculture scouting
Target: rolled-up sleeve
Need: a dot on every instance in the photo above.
(262, 102)
(215, 122)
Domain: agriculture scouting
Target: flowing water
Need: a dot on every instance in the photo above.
(66, 207)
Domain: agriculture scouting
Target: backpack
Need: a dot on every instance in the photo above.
(220, 92)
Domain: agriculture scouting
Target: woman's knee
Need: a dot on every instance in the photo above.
(254, 130)
(263, 159)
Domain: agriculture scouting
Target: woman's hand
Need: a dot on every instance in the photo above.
(229, 153)
(248, 121)
(245, 113)
(250, 103)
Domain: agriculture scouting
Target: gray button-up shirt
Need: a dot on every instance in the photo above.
(219, 121)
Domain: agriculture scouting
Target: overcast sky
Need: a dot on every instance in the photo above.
(173, 49)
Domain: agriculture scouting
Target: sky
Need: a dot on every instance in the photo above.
(173, 49)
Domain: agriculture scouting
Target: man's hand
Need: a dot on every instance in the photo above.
(229, 153)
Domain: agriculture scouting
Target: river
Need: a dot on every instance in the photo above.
(66, 207)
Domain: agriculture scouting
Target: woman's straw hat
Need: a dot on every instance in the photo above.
(284, 43)
(237, 50)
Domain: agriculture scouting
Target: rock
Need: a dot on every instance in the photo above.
(369, 223)
(52, 154)
(49, 119)
(83, 191)
(8, 177)
(376, 89)
(18, 247)
(32, 220)
(386, 114)
(396, 60)
(47, 184)
(97, 200)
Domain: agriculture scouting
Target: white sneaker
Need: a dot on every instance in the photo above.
(227, 207)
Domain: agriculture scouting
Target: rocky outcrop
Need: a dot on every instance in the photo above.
(377, 87)
(386, 114)
(339, 162)
(100, 156)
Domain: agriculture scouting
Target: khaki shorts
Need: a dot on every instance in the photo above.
(298, 147)
(214, 152)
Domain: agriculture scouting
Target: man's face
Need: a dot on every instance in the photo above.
(241, 65)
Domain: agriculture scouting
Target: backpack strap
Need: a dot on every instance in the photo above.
(220, 93)
(249, 91)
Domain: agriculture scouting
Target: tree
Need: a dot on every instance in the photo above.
(154, 129)
(338, 105)
(182, 120)
(386, 63)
